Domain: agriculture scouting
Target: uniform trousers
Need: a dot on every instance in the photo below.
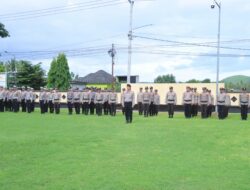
(128, 111)
(187, 110)
(244, 112)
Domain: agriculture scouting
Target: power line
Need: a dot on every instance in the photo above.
(68, 10)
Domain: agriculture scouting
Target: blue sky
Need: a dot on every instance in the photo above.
(190, 21)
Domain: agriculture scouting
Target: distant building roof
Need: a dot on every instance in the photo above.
(100, 77)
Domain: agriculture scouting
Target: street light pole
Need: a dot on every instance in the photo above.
(130, 38)
(218, 49)
(112, 53)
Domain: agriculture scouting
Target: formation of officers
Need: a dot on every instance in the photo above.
(96, 101)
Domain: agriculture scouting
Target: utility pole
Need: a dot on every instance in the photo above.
(130, 38)
(112, 53)
(218, 49)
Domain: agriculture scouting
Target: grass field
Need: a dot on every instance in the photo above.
(57, 152)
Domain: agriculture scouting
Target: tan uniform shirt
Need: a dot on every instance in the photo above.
(187, 98)
(171, 98)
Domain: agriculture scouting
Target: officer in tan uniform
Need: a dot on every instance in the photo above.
(16, 99)
(50, 94)
(77, 100)
(42, 100)
(156, 102)
(204, 101)
(99, 102)
(85, 101)
(113, 102)
(221, 102)
(140, 102)
(122, 100)
(151, 105)
(128, 103)
(70, 100)
(210, 107)
(171, 100)
(23, 103)
(146, 98)
(187, 102)
(195, 102)
(244, 103)
(28, 99)
(57, 100)
(228, 104)
(2, 97)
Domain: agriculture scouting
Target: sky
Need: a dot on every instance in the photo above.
(179, 36)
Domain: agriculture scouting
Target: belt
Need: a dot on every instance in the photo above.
(221, 101)
(187, 100)
(204, 101)
(56, 99)
(86, 99)
(76, 99)
(171, 100)
(244, 102)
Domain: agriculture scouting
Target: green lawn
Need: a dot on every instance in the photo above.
(57, 152)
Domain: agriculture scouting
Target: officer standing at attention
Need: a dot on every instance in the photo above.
(28, 100)
(187, 102)
(128, 103)
(113, 102)
(77, 97)
(244, 103)
(42, 99)
(70, 100)
(2, 97)
(92, 101)
(99, 102)
(204, 101)
(33, 100)
(151, 105)
(156, 102)
(171, 100)
(228, 104)
(221, 102)
(122, 100)
(23, 95)
(16, 98)
(195, 102)
(57, 100)
(146, 101)
(85, 101)
(139, 101)
(50, 95)
(106, 101)
(210, 107)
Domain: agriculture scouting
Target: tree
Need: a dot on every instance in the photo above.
(206, 81)
(170, 78)
(2, 67)
(3, 32)
(59, 74)
(193, 81)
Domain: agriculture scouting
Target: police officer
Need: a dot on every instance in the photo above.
(128, 103)
(33, 100)
(10, 99)
(156, 102)
(221, 102)
(28, 99)
(56, 100)
(77, 99)
(50, 95)
(2, 97)
(204, 101)
(85, 101)
(139, 101)
(187, 102)
(151, 105)
(210, 107)
(122, 100)
(244, 103)
(146, 101)
(228, 104)
(16, 99)
(195, 102)
(70, 100)
(99, 102)
(113, 102)
(46, 100)
(42, 100)
(6, 99)
(92, 101)
(23, 102)
(171, 100)
(105, 101)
